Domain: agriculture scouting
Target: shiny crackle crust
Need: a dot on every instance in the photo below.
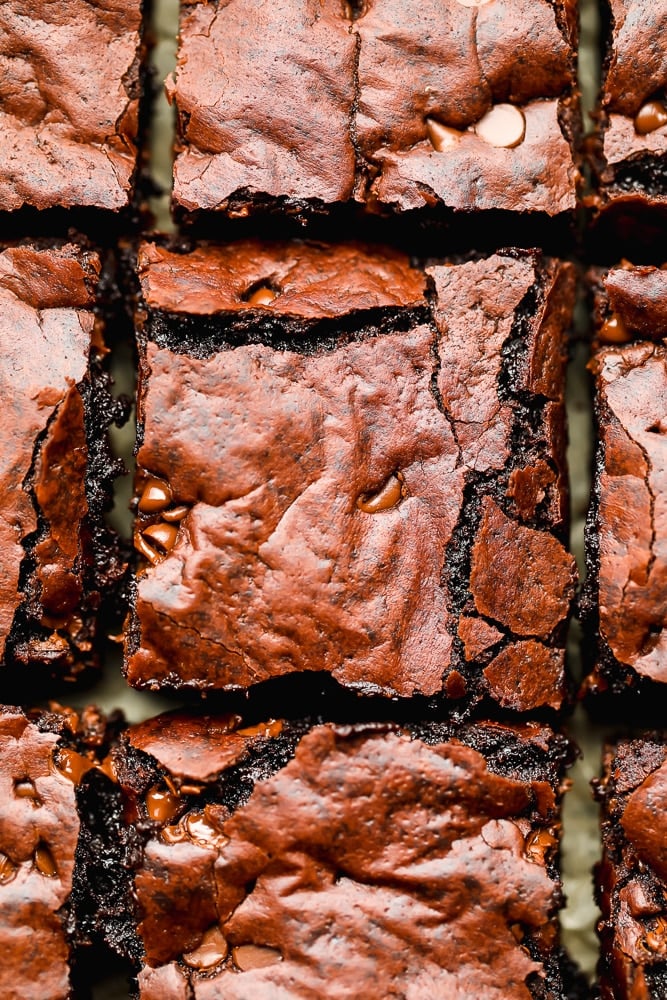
(626, 591)
(56, 553)
(69, 103)
(275, 858)
(630, 155)
(397, 105)
(363, 515)
(631, 880)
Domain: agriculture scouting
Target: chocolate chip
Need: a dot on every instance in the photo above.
(389, 495)
(72, 765)
(262, 296)
(44, 861)
(503, 126)
(204, 833)
(175, 513)
(8, 869)
(255, 956)
(651, 116)
(212, 950)
(161, 535)
(442, 138)
(25, 789)
(155, 496)
(614, 331)
(161, 805)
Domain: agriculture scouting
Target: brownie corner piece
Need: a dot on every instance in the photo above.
(631, 880)
(57, 555)
(44, 755)
(388, 104)
(69, 104)
(631, 151)
(627, 570)
(319, 489)
(291, 858)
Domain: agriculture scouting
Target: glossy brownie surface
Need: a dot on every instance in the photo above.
(632, 878)
(392, 104)
(628, 520)
(69, 98)
(337, 483)
(285, 860)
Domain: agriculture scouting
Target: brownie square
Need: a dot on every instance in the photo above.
(389, 104)
(351, 465)
(626, 593)
(631, 881)
(631, 159)
(43, 758)
(56, 471)
(292, 859)
(69, 103)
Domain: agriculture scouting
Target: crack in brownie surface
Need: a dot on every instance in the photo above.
(297, 504)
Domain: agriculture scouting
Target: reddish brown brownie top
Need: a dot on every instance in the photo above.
(310, 281)
(300, 505)
(634, 89)
(45, 337)
(372, 862)
(275, 117)
(68, 102)
(632, 516)
(632, 879)
(458, 103)
(39, 827)
(403, 104)
(636, 304)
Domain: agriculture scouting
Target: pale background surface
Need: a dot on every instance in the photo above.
(581, 840)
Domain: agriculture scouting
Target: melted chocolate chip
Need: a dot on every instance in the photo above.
(25, 789)
(212, 950)
(651, 116)
(389, 495)
(162, 805)
(72, 764)
(262, 296)
(442, 138)
(255, 956)
(44, 861)
(162, 535)
(155, 496)
(175, 513)
(8, 869)
(614, 331)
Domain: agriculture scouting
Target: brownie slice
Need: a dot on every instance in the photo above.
(299, 859)
(626, 591)
(631, 151)
(386, 103)
(69, 103)
(631, 881)
(44, 756)
(351, 465)
(56, 471)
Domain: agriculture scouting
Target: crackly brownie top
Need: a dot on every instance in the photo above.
(314, 282)
(300, 495)
(631, 383)
(633, 877)
(403, 103)
(45, 334)
(39, 827)
(634, 91)
(363, 858)
(68, 102)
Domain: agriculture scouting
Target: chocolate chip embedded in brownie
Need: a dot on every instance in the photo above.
(396, 105)
(626, 591)
(285, 859)
(630, 155)
(56, 554)
(355, 466)
(44, 756)
(631, 881)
